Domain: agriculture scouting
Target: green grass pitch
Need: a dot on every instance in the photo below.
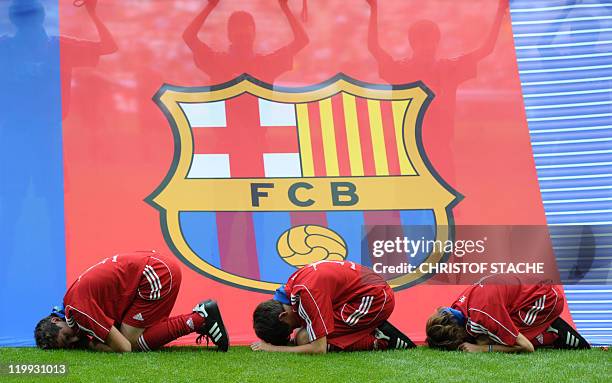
(240, 364)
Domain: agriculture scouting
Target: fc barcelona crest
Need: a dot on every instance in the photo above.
(267, 179)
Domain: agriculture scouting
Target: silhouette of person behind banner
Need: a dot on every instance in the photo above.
(30, 122)
(28, 54)
(442, 75)
(241, 57)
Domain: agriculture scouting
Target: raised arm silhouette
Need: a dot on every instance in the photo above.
(241, 56)
(83, 53)
(442, 75)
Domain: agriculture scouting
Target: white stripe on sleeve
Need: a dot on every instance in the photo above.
(309, 330)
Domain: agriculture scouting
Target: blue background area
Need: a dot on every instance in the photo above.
(565, 65)
(33, 271)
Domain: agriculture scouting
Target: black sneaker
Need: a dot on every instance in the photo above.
(213, 329)
(394, 337)
(568, 337)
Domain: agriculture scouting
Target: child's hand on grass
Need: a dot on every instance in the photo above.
(261, 346)
(469, 347)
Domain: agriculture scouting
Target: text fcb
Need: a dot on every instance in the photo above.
(256, 165)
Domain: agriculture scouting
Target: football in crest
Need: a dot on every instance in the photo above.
(305, 244)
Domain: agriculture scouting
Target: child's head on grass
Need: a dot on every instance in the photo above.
(444, 330)
(273, 322)
(53, 332)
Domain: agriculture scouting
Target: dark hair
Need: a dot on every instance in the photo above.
(46, 333)
(443, 332)
(267, 324)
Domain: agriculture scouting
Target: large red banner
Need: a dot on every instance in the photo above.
(121, 58)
